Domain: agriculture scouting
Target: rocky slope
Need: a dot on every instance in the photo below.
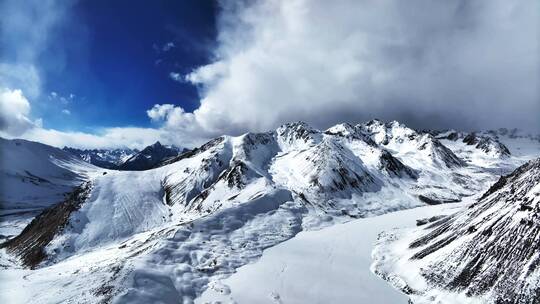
(488, 251)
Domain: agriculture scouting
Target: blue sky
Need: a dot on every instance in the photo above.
(115, 59)
(116, 73)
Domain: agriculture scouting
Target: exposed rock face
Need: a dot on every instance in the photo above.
(439, 153)
(190, 153)
(30, 245)
(452, 136)
(470, 139)
(493, 246)
(493, 147)
(487, 143)
(395, 167)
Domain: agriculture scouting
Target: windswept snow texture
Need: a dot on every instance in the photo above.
(165, 234)
(330, 265)
(486, 253)
(34, 176)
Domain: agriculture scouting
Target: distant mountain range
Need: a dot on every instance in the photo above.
(127, 159)
(105, 158)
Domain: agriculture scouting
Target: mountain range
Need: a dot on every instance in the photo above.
(127, 159)
(193, 218)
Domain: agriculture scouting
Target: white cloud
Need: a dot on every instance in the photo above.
(131, 137)
(14, 113)
(24, 30)
(457, 64)
(20, 75)
(63, 99)
(168, 46)
(176, 120)
(176, 76)
(15, 122)
(110, 138)
(160, 112)
(439, 64)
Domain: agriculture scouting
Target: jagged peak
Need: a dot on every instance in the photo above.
(377, 124)
(296, 125)
(292, 132)
(347, 130)
(374, 121)
(394, 124)
(384, 133)
(344, 129)
(344, 125)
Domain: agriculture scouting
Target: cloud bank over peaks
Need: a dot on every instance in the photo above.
(431, 64)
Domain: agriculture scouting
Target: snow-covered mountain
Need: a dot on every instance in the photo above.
(128, 159)
(493, 143)
(104, 158)
(164, 234)
(34, 176)
(486, 253)
(149, 157)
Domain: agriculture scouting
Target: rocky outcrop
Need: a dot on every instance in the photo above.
(30, 245)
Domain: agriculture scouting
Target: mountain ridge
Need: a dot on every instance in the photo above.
(147, 223)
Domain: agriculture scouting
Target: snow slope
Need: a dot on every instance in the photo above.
(34, 176)
(331, 265)
(164, 234)
(486, 253)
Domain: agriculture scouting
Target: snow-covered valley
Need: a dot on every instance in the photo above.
(330, 265)
(169, 234)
